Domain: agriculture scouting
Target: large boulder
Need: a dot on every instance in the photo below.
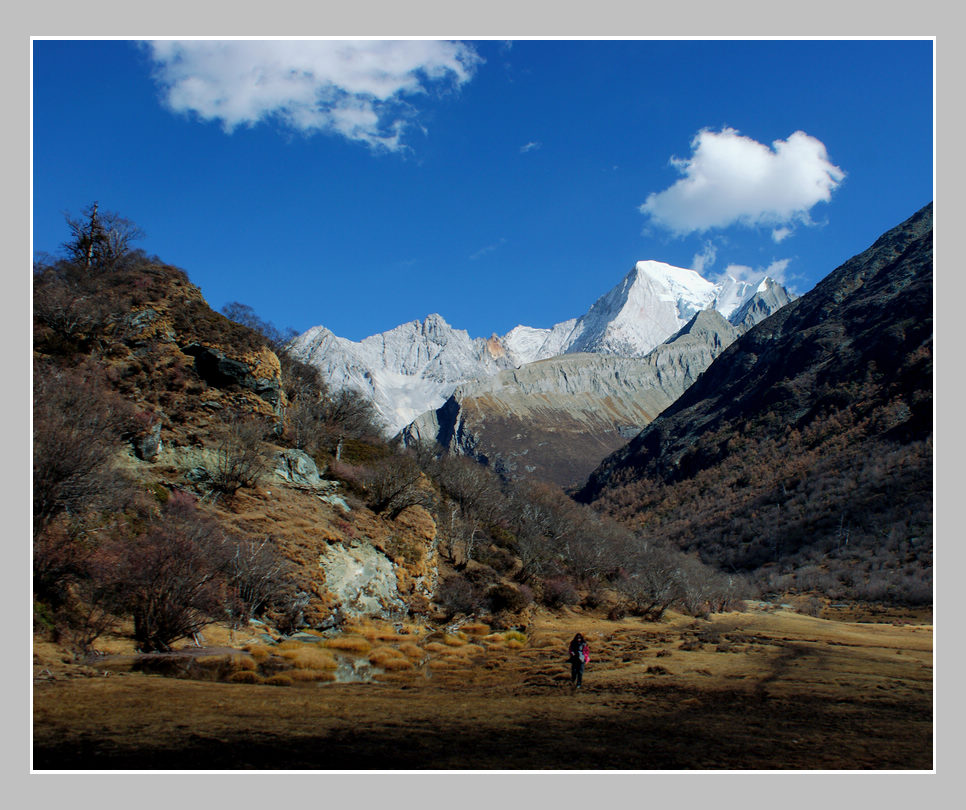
(298, 468)
(362, 579)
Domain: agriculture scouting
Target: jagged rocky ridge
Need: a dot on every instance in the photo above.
(415, 367)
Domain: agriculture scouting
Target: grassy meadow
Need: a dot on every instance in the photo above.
(759, 689)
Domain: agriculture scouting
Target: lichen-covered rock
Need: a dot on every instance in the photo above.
(258, 371)
(362, 579)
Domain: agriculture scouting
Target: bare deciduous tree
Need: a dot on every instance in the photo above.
(396, 483)
(100, 239)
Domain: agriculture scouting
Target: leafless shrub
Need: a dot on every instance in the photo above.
(78, 426)
(395, 483)
(241, 457)
(556, 592)
(257, 575)
(172, 577)
(456, 595)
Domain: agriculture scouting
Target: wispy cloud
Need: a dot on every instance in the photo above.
(732, 179)
(705, 258)
(361, 90)
(488, 249)
(530, 146)
(740, 272)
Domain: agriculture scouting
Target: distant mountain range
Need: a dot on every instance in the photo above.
(416, 367)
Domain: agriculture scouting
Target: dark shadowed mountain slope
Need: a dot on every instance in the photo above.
(810, 438)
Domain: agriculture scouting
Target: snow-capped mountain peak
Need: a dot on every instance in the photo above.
(414, 367)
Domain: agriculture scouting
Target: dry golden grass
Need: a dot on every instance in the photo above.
(351, 644)
(451, 640)
(757, 691)
(411, 650)
(542, 642)
(476, 629)
(282, 679)
(245, 676)
(309, 656)
(259, 652)
(310, 675)
(372, 630)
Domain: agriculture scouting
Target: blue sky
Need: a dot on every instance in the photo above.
(360, 185)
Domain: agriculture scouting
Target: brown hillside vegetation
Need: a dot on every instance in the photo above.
(803, 455)
(743, 690)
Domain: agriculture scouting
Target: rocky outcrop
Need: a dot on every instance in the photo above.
(258, 372)
(298, 468)
(362, 580)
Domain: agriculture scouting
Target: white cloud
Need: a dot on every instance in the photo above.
(704, 259)
(529, 147)
(358, 89)
(780, 234)
(731, 179)
(740, 272)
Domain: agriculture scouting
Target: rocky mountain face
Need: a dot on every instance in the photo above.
(404, 371)
(555, 419)
(811, 434)
(415, 367)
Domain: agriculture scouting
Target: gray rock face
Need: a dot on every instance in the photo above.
(555, 419)
(768, 298)
(148, 447)
(298, 468)
(404, 371)
(362, 579)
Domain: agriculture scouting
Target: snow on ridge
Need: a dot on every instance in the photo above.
(414, 367)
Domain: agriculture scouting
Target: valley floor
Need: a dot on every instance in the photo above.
(752, 690)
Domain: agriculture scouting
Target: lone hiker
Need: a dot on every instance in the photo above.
(579, 655)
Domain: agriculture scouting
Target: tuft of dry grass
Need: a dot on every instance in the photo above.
(476, 629)
(411, 650)
(453, 641)
(279, 680)
(354, 644)
(543, 642)
(310, 675)
(244, 662)
(373, 631)
(309, 656)
(436, 647)
(258, 651)
(245, 676)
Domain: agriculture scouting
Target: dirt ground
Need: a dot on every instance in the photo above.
(752, 690)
